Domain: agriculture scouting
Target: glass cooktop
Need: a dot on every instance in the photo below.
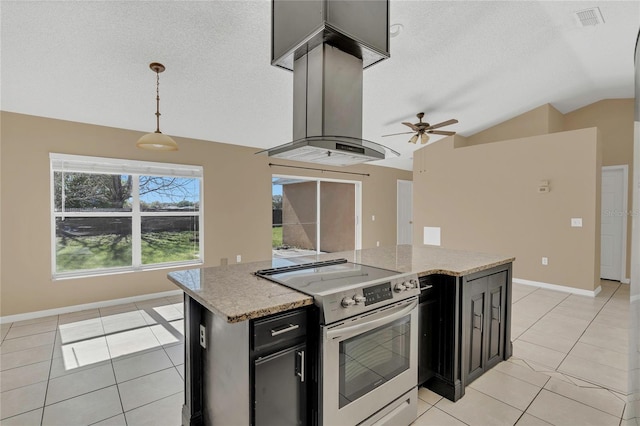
(321, 278)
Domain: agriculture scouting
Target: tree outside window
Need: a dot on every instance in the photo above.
(109, 221)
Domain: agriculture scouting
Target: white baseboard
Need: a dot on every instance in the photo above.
(625, 281)
(84, 307)
(556, 287)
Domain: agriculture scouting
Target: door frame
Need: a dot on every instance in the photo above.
(624, 168)
(398, 183)
(358, 203)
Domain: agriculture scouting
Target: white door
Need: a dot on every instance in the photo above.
(405, 212)
(612, 223)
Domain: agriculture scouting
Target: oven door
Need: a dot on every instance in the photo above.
(368, 362)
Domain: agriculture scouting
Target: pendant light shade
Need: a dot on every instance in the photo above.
(157, 141)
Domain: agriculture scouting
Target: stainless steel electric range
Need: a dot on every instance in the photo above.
(368, 339)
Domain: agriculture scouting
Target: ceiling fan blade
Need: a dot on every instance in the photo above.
(441, 132)
(413, 126)
(395, 134)
(444, 123)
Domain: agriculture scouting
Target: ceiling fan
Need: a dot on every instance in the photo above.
(421, 129)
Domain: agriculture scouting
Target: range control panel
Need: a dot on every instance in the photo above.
(368, 296)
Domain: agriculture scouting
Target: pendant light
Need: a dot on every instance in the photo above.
(157, 141)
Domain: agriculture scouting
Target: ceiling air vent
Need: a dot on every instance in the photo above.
(589, 17)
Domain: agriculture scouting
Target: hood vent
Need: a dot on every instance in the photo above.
(589, 17)
(327, 44)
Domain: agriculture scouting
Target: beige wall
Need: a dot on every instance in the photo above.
(539, 121)
(614, 118)
(485, 198)
(237, 205)
(337, 216)
(299, 211)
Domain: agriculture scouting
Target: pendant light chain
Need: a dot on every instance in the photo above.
(157, 102)
(156, 141)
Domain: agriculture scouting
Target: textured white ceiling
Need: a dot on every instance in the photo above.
(478, 61)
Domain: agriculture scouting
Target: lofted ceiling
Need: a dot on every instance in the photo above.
(481, 62)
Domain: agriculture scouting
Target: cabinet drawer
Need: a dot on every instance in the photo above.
(281, 328)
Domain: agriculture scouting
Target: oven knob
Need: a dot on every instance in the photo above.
(347, 301)
(360, 299)
(408, 285)
(414, 282)
(399, 287)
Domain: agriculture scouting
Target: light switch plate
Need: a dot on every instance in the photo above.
(576, 222)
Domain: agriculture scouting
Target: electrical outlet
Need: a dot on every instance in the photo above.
(238, 258)
(203, 339)
(377, 243)
(545, 261)
(576, 222)
(373, 218)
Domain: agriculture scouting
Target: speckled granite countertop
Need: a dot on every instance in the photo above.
(235, 293)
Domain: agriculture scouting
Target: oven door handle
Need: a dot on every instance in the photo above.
(346, 332)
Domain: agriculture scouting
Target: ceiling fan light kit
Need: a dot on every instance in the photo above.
(157, 141)
(422, 129)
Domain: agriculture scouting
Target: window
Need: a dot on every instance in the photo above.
(111, 215)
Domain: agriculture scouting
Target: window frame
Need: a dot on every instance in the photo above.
(135, 168)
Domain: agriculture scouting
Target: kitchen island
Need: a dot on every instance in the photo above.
(230, 301)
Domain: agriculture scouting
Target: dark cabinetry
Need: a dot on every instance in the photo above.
(483, 324)
(254, 372)
(280, 370)
(427, 329)
(473, 328)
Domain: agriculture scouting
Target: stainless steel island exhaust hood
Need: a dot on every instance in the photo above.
(327, 44)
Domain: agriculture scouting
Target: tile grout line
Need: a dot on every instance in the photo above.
(113, 369)
(583, 403)
(506, 403)
(442, 411)
(543, 315)
(564, 374)
(586, 328)
(532, 401)
(65, 375)
(46, 391)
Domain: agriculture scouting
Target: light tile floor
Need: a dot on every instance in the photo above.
(121, 365)
(124, 365)
(569, 366)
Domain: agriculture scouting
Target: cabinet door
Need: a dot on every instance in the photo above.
(475, 325)
(496, 320)
(280, 388)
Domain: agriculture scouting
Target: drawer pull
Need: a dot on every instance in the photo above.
(286, 329)
(301, 372)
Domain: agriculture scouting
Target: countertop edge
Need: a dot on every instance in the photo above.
(466, 271)
(251, 314)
